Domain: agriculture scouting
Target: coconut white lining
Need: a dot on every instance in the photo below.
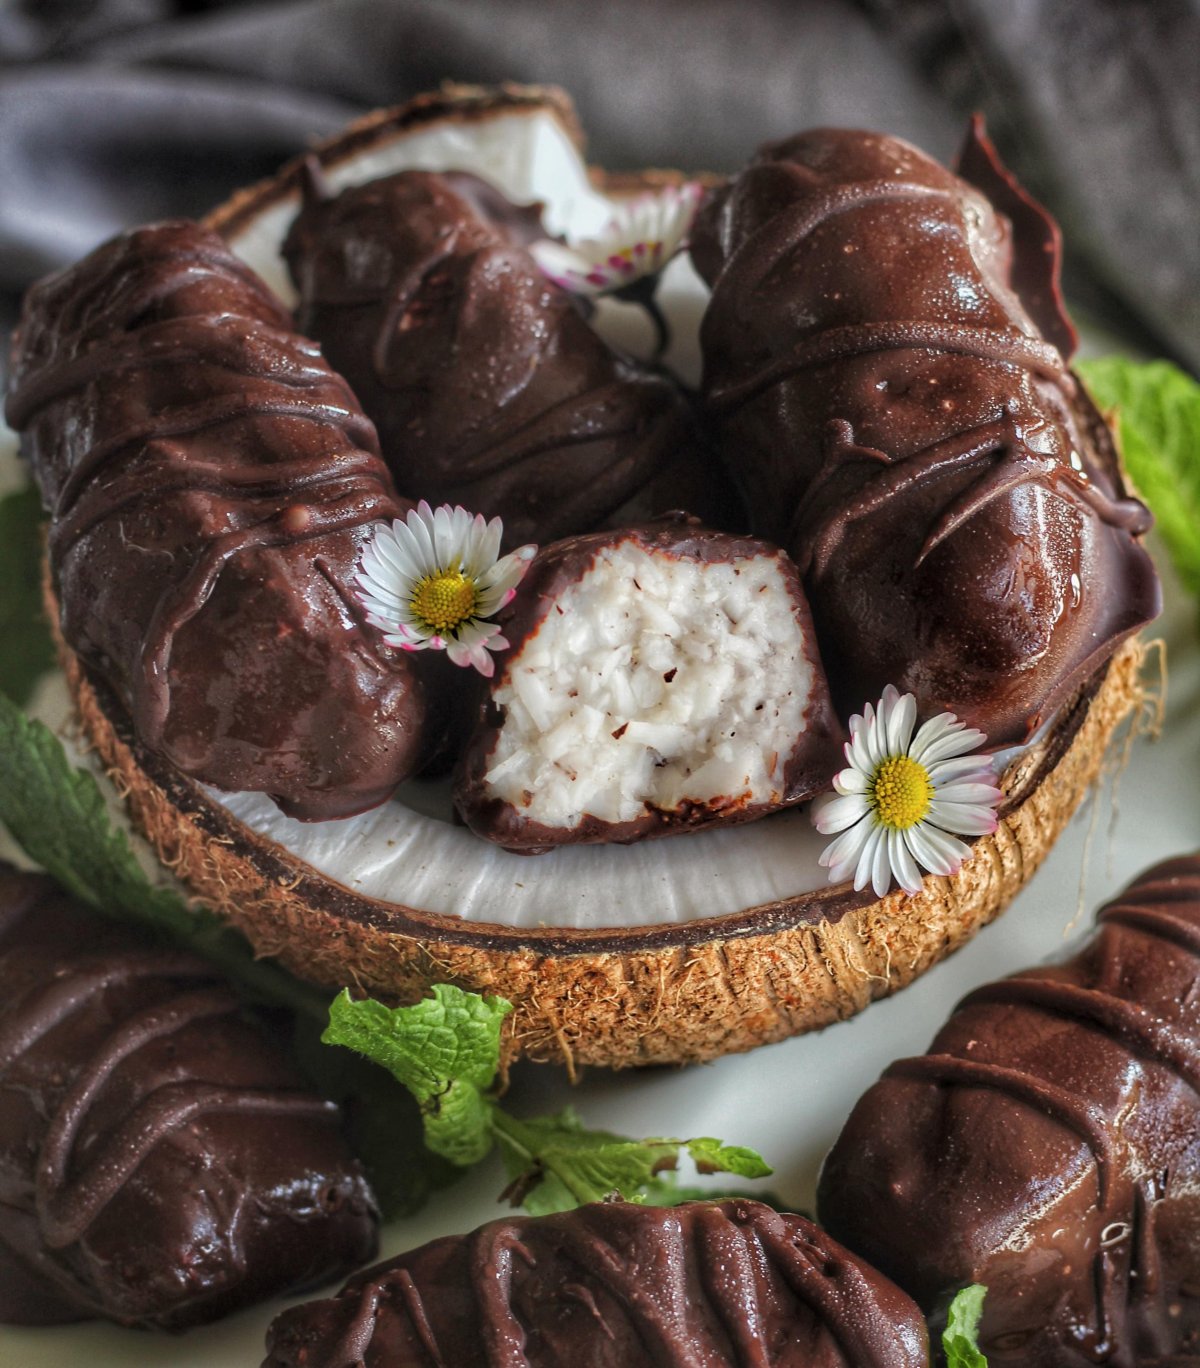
(653, 682)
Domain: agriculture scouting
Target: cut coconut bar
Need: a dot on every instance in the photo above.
(660, 678)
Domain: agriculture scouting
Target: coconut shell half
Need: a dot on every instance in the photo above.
(671, 952)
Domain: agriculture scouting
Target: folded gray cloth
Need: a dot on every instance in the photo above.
(119, 111)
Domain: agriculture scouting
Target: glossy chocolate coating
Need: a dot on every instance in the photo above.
(161, 1162)
(211, 482)
(1048, 1147)
(807, 770)
(873, 362)
(488, 386)
(614, 1286)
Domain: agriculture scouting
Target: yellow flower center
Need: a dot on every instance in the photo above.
(901, 792)
(443, 602)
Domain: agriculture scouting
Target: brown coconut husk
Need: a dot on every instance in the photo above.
(662, 994)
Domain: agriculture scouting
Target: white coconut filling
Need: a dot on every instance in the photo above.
(653, 682)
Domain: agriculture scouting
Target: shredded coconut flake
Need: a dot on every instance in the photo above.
(662, 682)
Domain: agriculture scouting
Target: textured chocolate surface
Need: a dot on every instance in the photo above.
(806, 770)
(487, 384)
(161, 1163)
(211, 482)
(896, 420)
(1048, 1146)
(728, 1285)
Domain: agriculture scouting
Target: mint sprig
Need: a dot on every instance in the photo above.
(447, 1051)
(960, 1339)
(26, 649)
(1157, 408)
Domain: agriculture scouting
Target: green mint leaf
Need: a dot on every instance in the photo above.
(57, 815)
(714, 1156)
(445, 1049)
(1158, 422)
(553, 1163)
(960, 1337)
(28, 651)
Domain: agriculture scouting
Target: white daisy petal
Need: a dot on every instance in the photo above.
(841, 855)
(965, 769)
(866, 858)
(965, 819)
(838, 813)
(908, 876)
(934, 850)
(984, 795)
(946, 741)
(881, 865)
(900, 724)
(850, 781)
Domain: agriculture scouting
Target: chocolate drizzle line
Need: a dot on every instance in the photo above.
(159, 1160)
(701, 1283)
(66, 1209)
(169, 411)
(1107, 1048)
(896, 421)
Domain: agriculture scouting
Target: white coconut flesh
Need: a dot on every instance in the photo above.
(409, 851)
(653, 682)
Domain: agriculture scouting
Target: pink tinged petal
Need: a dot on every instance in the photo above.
(908, 876)
(498, 643)
(935, 850)
(850, 781)
(836, 814)
(965, 819)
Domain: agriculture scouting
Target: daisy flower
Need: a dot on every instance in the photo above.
(433, 581)
(903, 800)
(643, 234)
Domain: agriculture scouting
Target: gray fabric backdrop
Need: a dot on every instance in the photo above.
(119, 111)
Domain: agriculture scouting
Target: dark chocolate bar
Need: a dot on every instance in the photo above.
(1048, 1146)
(488, 386)
(161, 1162)
(614, 1286)
(897, 421)
(211, 483)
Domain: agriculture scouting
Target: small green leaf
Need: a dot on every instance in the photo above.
(445, 1049)
(714, 1156)
(27, 651)
(553, 1163)
(57, 815)
(666, 1190)
(960, 1337)
(1158, 422)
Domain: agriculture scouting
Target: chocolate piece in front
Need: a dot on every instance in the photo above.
(161, 1162)
(1048, 1146)
(211, 483)
(899, 424)
(487, 384)
(660, 679)
(615, 1286)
